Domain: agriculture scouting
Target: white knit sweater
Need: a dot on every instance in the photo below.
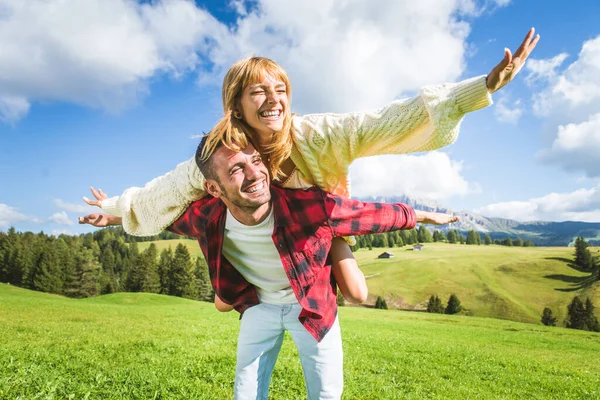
(324, 147)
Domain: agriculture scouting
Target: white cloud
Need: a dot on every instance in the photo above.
(576, 147)
(61, 218)
(580, 205)
(351, 55)
(507, 114)
(9, 216)
(13, 108)
(542, 70)
(344, 55)
(577, 87)
(98, 53)
(72, 207)
(433, 176)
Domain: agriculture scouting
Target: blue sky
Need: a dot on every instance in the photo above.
(91, 99)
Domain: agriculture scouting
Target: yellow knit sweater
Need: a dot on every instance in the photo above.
(324, 147)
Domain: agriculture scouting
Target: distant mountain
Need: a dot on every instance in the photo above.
(542, 233)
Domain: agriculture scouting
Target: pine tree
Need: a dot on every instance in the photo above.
(591, 320)
(414, 236)
(487, 240)
(182, 274)
(164, 270)
(452, 236)
(547, 318)
(381, 303)
(507, 242)
(576, 318)
(205, 289)
(47, 274)
(473, 237)
(424, 235)
(518, 242)
(85, 280)
(435, 305)
(453, 306)
(583, 257)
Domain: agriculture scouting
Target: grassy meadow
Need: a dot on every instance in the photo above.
(514, 283)
(138, 345)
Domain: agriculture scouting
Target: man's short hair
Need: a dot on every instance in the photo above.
(206, 165)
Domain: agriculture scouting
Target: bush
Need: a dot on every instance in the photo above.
(547, 318)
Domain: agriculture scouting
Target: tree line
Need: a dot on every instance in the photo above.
(103, 262)
(424, 235)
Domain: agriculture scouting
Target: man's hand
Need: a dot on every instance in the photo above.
(100, 220)
(433, 218)
(510, 66)
(99, 195)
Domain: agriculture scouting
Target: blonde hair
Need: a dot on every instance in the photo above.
(233, 132)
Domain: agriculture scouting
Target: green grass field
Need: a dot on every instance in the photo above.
(157, 347)
(513, 283)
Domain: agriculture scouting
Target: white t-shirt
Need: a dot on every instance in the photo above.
(250, 249)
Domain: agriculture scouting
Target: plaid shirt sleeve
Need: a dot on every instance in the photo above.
(353, 217)
(183, 225)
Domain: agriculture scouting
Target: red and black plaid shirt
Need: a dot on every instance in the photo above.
(306, 221)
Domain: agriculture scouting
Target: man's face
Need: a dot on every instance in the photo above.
(242, 179)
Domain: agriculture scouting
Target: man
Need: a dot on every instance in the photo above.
(267, 253)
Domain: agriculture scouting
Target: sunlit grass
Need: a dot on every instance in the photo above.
(150, 346)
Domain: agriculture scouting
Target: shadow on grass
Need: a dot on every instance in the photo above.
(575, 282)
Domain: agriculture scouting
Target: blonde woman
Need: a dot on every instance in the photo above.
(316, 149)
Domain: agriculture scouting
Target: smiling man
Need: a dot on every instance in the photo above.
(267, 253)
(266, 249)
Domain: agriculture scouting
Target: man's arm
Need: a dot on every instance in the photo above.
(353, 217)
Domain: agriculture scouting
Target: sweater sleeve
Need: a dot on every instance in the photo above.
(150, 210)
(329, 143)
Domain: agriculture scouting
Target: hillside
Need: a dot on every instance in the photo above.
(138, 345)
(491, 281)
(514, 283)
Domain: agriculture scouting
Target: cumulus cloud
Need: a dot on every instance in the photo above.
(72, 207)
(433, 176)
(97, 53)
(543, 70)
(10, 216)
(366, 55)
(576, 147)
(570, 103)
(61, 218)
(580, 205)
(578, 86)
(507, 114)
(80, 52)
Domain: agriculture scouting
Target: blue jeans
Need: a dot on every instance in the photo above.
(260, 339)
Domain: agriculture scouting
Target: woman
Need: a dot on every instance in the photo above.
(314, 149)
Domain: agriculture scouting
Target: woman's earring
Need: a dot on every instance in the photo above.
(237, 115)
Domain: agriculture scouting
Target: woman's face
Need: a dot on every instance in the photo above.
(264, 106)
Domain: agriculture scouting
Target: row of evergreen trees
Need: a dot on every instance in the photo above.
(435, 305)
(102, 262)
(579, 316)
(424, 235)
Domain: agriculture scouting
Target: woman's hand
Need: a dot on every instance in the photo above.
(100, 220)
(510, 66)
(99, 195)
(433, 218)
